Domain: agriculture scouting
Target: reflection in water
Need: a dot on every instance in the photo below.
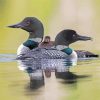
(36, 82)
(7, 57)
(37, 68)
(55, 89)
(60, 86)
(69, 77)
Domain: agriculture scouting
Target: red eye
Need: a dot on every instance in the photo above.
(74, 35)
(28, 22)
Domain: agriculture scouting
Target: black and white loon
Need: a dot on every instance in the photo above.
(68, 36)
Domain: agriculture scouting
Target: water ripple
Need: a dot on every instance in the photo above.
(7, 57)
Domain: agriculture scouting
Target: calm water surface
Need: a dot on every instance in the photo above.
(82, 82)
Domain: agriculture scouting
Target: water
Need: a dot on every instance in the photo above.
(81, 83)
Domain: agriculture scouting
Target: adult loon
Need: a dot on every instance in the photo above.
(47, 43)
(36, 32)
(67, 37)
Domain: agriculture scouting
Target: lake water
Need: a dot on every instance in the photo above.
(81, 83)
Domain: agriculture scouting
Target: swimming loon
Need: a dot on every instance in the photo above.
(47, 43)
(36, 32)
(68, 36)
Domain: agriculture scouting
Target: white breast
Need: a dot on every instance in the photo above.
(22, 50)
(73, 55)
(73, 58)
(61, 47)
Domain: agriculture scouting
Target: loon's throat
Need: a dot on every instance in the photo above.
(36, 39)
(61, 47)
(36, 34)
(31, 44)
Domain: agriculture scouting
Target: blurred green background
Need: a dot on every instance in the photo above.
(56, 15)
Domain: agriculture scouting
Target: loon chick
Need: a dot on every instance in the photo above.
(47, 43)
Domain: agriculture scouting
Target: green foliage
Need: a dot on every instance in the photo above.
(13, 11)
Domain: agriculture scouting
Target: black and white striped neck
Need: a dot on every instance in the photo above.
(32, 43)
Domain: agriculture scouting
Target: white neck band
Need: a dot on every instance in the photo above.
(36, 39)
(61, 47)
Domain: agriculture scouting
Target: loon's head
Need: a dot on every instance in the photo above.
(31, 25)
(66, 37)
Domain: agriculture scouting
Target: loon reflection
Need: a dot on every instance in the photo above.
(37, 68)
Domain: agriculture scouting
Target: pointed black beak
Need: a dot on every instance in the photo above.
(19, 25)
(83, 38)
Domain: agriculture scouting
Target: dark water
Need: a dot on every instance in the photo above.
(81, 83)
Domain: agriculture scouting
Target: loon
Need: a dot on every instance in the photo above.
(68, 36)
(36, 33)
(47, 43)
(30, 48)
(64, 39)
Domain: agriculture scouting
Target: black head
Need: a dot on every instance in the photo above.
(69, 36)
(30, 24)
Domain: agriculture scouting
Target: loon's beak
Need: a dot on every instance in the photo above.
(19, 25)
(83, 38)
